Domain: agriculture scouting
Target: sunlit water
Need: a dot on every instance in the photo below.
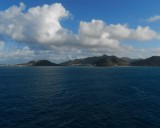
(79, 97)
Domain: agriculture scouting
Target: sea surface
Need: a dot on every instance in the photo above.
(79, 97)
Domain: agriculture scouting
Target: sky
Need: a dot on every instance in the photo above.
(60, 30)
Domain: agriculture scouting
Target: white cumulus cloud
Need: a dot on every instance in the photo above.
(42, 25)
(37, 24)
(98, 33)
(143, 34)
(93, 34)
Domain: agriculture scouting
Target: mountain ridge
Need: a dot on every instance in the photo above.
(151, 61)
(38, 63)
(101, 61)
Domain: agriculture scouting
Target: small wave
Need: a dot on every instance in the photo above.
(66, 123)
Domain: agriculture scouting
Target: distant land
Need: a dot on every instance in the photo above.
(152, 61)
(38, 63)
(99, 61)
(104, 60)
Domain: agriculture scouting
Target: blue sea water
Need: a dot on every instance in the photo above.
(79, 97)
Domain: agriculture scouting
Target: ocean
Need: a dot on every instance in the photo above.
(79, 97)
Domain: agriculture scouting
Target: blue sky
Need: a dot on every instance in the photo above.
(69, 29)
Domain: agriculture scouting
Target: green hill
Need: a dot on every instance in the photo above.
(39, 63)
(104, 60)
(152, 61)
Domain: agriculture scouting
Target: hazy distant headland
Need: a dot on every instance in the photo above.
(100, 61)
(38, 63)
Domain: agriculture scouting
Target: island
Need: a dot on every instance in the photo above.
(38, 63)
(97, 61)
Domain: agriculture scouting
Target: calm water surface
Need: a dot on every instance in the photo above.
(79, 97)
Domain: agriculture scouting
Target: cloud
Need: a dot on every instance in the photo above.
(42, 25)
(93, 34)
(118, 31)
(143, 34)
(123, 32)
(37, 24)
(153, 19)
(15, 54)
(1, 44)
(98, 33)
